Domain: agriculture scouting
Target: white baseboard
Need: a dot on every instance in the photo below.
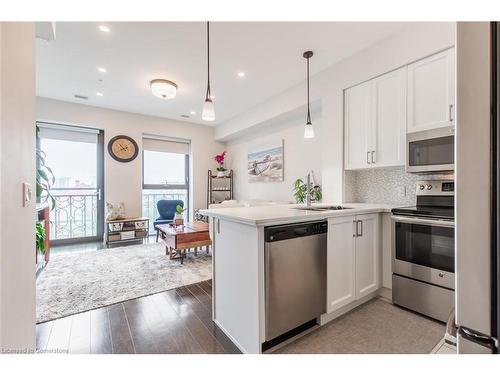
(385, 293)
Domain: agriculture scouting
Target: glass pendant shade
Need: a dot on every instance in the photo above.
(308, 131)
(208, 113)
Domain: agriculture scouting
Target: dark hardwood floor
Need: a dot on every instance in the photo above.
(177, 321)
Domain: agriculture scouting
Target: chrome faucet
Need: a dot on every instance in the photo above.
(308, 190)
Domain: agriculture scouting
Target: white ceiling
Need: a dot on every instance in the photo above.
(135, 53)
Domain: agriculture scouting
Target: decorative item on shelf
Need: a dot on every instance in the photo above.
(179, 215)
(300, 190)
(200, 217)
(115, 211)
(122, 148)
(265, 164)
(221, 170)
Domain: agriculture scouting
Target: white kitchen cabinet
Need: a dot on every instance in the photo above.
(431, 92)
(340, 262)
(357, 117)
(389, 119)
(352, 259)
(375, 122)
(367, 255)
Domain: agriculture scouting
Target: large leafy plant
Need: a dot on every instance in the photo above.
(300, 190)
(44, 178)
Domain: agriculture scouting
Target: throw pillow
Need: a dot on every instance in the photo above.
(115, 211)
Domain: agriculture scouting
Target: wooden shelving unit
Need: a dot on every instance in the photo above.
(219, 188)
(126, 230)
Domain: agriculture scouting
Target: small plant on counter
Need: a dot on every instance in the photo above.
(300, 190)
(40, 238)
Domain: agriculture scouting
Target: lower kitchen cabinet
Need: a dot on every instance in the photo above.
(352, 259)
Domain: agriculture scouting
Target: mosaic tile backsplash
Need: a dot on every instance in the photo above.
(385, 185)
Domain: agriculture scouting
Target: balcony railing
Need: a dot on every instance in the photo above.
(150, 197)
(74, 214)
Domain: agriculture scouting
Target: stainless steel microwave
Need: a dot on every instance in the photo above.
(431, 150)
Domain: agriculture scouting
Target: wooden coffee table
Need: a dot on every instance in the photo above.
(178, 239)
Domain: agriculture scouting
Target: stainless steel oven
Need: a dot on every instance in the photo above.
(431, 150)
(423, 251)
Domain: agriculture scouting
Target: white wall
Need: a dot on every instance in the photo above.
(300, 155)
(17, 145)
(123, 181)
(327, 87)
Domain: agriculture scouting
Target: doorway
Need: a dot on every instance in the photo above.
(76, 158)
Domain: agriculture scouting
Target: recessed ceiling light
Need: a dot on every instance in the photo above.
(102, 69)
(192, 113)
(104, 28)
(241, 74)
(99, 94)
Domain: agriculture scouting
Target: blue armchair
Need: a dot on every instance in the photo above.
(166, 209)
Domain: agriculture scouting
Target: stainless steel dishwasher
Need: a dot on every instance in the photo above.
(295, 275)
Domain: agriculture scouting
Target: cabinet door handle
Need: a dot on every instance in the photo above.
(367, 157)
(373, 157)
(218, 226)
(450, 111)
(354, 228)
(359, 233)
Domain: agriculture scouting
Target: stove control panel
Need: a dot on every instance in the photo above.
(436, 187)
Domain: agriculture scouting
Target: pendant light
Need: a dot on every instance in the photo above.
(308, 130)
(208, 113)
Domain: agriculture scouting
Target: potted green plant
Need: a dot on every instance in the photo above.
(300, 190)
(40, 238)
(179, 215)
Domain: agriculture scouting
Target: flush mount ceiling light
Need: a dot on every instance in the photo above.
(241, 74)
(208, 113)
(163, 88)
(308, 130)
(102, 69)
(104, 28)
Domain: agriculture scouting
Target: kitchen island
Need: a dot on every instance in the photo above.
(239, 271)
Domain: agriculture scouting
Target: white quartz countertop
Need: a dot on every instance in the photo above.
(283, 214)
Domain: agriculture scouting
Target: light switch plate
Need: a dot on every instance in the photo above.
(27, 194)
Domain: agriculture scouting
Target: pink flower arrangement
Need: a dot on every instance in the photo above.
(220, 160)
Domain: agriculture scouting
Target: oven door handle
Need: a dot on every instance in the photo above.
(415, 220)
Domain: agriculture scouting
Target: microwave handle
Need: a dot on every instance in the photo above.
(415, 220)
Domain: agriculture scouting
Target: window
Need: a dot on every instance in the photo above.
(74, 155)
(165, 175)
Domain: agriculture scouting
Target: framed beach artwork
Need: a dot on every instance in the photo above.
(265, 163)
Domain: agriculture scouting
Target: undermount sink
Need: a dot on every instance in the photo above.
(321, 208)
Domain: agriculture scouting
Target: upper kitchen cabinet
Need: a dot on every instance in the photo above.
(431, 92)
(389, 124)
(357, 116)
(375, 122)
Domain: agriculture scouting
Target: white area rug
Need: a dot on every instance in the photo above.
(73, 283)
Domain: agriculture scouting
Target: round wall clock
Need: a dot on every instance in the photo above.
(123, 148)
